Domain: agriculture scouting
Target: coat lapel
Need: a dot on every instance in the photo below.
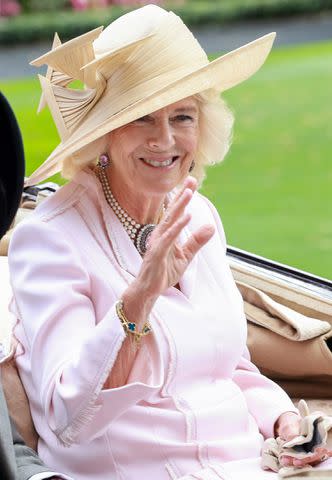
(116, 242)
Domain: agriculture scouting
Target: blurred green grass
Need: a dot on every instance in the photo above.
(273, 191)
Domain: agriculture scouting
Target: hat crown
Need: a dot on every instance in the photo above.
(162, 52)
(150, 40)
(129, 28)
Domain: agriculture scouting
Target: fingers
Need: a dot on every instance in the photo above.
(318, 456)
(190, 183)
(197, 241)
(314, 459)
(176, 219)
(178, 204)
(176, 210)
(286, 461)
(168, 238)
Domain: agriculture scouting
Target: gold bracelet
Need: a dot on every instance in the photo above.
(131, 327)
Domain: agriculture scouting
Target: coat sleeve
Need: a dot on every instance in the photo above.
(265, 399)
(16, 459)
(29, 465)
(69, 354)
(27, 461)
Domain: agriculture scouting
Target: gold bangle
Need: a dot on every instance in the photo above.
(131, 327)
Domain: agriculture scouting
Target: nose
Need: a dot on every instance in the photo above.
(161, 136)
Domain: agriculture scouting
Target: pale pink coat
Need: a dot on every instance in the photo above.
(194, 407)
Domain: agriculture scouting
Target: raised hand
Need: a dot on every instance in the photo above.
(166, 260)
(162, 267)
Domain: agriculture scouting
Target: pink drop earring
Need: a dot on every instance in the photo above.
(104, 160)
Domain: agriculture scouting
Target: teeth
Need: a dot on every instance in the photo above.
(155, 163)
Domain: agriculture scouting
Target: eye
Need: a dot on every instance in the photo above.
(145, 119)
(184, 118)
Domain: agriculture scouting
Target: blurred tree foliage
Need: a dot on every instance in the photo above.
(43, 6)
(56, 5)
(36, 25)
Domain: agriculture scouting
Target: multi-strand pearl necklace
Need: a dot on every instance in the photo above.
(137, 232)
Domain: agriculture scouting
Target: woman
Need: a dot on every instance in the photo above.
(132, 337)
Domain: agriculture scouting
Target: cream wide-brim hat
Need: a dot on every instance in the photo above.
(143, 61)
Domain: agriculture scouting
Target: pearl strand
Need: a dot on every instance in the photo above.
(137, 232)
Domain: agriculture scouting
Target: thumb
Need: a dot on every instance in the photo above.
(197, 240)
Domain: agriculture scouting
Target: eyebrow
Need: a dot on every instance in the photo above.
(186, 109)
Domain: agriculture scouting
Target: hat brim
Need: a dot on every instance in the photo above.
(12, 173)
(222, 74)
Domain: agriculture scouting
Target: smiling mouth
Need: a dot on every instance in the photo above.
(158, 163)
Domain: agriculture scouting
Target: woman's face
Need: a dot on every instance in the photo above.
(153, 154)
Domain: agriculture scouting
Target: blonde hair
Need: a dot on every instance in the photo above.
(215, 136)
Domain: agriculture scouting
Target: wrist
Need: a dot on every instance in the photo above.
(137, 303)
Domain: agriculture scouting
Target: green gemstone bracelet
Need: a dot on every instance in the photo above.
(131, 327)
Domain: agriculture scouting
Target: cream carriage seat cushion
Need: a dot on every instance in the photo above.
(18, 404)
